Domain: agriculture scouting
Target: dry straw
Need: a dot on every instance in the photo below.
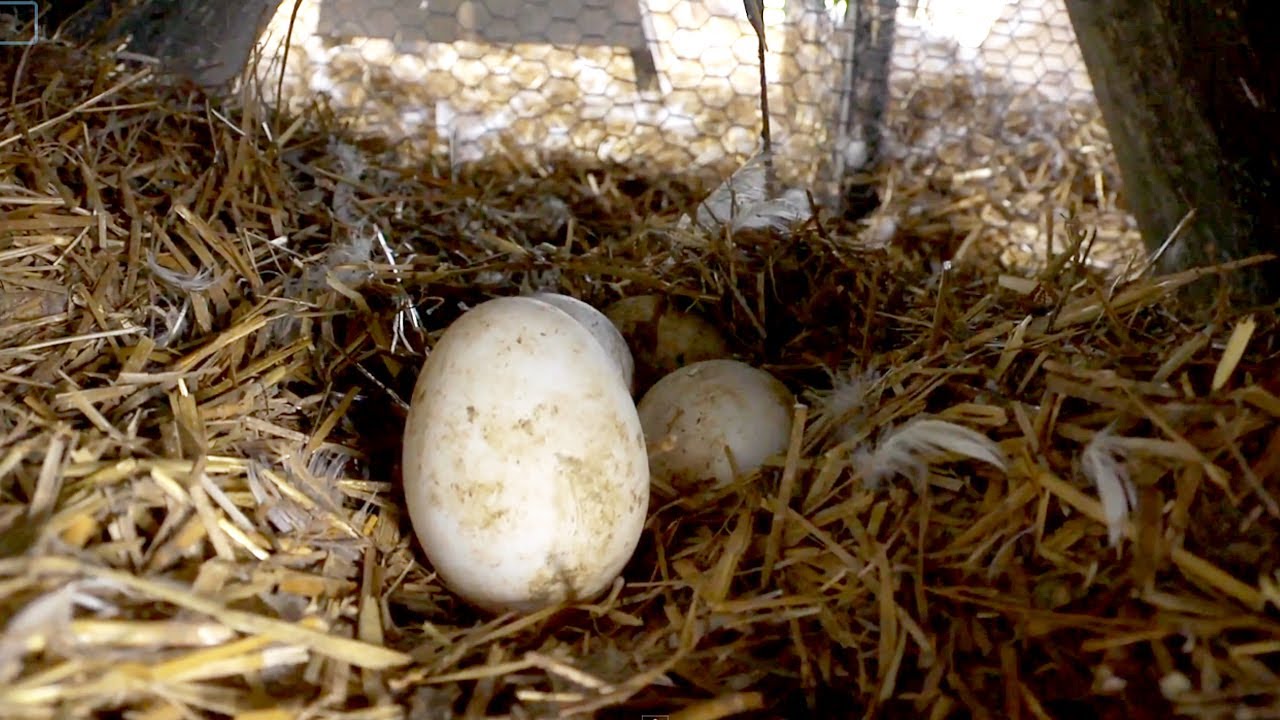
(211, 317)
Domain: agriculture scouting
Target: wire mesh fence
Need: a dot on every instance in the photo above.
(984, 107)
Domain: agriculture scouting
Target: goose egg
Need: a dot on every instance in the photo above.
(525, 467)
(709, 419)
(604, 331)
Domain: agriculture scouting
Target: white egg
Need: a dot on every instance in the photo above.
(604, 331)
(708, 419)
(525, 466)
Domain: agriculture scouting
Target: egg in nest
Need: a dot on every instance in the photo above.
(525, 467)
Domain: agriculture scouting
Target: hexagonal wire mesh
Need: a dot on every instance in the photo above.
(982, 105)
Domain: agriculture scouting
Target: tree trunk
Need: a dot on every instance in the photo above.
(207, 41)
(1189, 92)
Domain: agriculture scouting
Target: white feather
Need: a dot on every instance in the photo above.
(912, 448)
(778, 214)
(47, 617)
(46, 622)
(745, 187)
(843, 409)
(1104, 463)
(742, 202)
(198, 282)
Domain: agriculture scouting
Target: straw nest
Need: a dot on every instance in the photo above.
(211, 316)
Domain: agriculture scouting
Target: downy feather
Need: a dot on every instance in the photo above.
(1105, 464)
(742, 202)
(912, 448)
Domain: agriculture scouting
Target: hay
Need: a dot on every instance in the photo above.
(980, 164)
(211, 318)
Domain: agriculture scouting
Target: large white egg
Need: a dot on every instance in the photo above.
(605, 332)
(700, 416)
(525, 466)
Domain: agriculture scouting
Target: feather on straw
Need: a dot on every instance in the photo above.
(1104, 463)
(742, 202)
(912, 448)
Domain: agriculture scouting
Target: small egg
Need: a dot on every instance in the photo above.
(609, 337)
(663, 338)
(525, 468)
(701, 415)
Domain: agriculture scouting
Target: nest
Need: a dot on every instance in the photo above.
(211, 317)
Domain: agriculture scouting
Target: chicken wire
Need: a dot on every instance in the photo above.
(675, 83)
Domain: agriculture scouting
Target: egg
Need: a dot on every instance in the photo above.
(699, 417)
(663, 338)
(609, 337)
(525, 467)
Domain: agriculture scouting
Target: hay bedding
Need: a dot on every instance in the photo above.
(210, 318)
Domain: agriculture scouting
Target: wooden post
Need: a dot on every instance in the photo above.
(1189, 91)
(870, 28)
(206, 41)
